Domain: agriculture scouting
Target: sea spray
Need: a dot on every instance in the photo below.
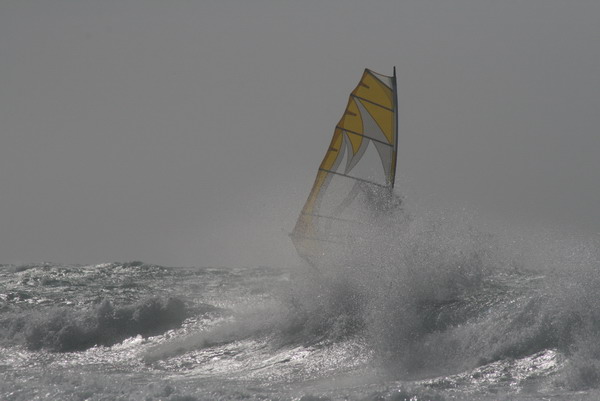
(446, 292)
(442, 300)
(441, 306)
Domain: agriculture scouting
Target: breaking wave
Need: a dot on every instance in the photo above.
(67, 329)
(448, 293)
(443, 294)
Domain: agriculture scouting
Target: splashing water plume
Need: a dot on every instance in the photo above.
(439, 306)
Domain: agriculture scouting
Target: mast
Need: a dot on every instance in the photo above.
(395, 98)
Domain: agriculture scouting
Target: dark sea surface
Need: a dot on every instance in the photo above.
(440, 312)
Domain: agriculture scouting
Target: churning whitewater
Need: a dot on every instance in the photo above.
(432, 308)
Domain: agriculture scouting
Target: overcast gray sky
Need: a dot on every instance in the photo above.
(189, 132)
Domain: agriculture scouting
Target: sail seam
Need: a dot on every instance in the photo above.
(364, 136)
(372, 102)
(354, 178)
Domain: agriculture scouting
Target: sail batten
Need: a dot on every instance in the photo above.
(372, 102)
(358, 167)
(351, 177)
(366, 136)
(331, 217)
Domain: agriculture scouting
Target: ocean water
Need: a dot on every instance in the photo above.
(431, 308)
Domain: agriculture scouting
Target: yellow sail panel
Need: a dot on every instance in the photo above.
(312, 199)
(359, 162)
(333, 153)
(352, 120)
(374, 90)
(355, 141)
(305, 235)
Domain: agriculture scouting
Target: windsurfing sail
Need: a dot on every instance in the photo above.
(358, 171)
